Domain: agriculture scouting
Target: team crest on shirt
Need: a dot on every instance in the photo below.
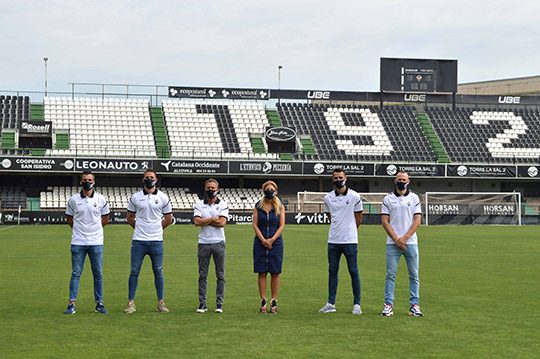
(347, 201)
(95, 204)
(157, 201)
(409, 203)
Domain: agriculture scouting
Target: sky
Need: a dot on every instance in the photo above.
(326, 45)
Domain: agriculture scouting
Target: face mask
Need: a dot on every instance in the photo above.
(339, 184)
(269, 194)
(149, 183)
(211, 193)
(401, 185)
(87, 186)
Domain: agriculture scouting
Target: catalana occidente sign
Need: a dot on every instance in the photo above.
(190, 166)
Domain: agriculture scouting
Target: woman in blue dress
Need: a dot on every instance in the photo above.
(268, 223)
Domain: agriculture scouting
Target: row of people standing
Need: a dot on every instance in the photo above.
(149, 212)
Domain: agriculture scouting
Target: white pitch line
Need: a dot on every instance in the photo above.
(3, 229)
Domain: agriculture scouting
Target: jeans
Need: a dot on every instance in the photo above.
(392, 258)
(218, 251)
(334, 255)
(139, 249)
(78, 255)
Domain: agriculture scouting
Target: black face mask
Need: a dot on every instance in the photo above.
(269, 194)
(87, 186)
(211, 193)
(149, 183)
(339, 184)
(401, 185)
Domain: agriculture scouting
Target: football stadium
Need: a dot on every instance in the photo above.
(245, 148)
(473, 160)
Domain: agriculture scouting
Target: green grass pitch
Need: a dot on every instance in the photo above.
(479, 291)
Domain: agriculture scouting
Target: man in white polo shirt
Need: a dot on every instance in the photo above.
(211, 214)
(87, 213)
(149, 212)
(401, 217)
(343, 207)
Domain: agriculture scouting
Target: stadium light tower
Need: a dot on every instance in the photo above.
(279, 80)
(45, 59)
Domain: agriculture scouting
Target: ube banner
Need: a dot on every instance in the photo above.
(112, 165)
(480, 171)
(351, 169)
(190, 167)
(529, 171)
(36, 164)
(325, 95)
(219, 93)
(253, 167)
(413, 170)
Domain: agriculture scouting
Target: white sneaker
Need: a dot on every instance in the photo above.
(388, 310)
(415, 311)
(356, 309)
(328, 308)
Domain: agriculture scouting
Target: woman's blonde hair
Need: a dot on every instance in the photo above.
(276, 203)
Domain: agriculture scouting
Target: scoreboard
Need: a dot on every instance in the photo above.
(418, 75)
(418, 79)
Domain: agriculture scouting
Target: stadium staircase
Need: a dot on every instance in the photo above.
(257, 145)
(273, 117)
(8, 140)
(285, 156)
(160, 134)
(62, 141)
(432, 138)
(33, 204)
(307, 146)
(36, 114)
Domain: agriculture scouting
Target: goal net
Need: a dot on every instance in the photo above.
(314, 202)
(472, 208)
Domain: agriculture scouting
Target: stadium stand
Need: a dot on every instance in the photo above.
(240, 199)
(488, 136)
(365, 133)
(12, 197)
(214, 129)
(55, 197)
(102, 127)
(13, 110)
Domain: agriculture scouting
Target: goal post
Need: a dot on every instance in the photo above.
(312, 201)
(439, 208)
(503, 208)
